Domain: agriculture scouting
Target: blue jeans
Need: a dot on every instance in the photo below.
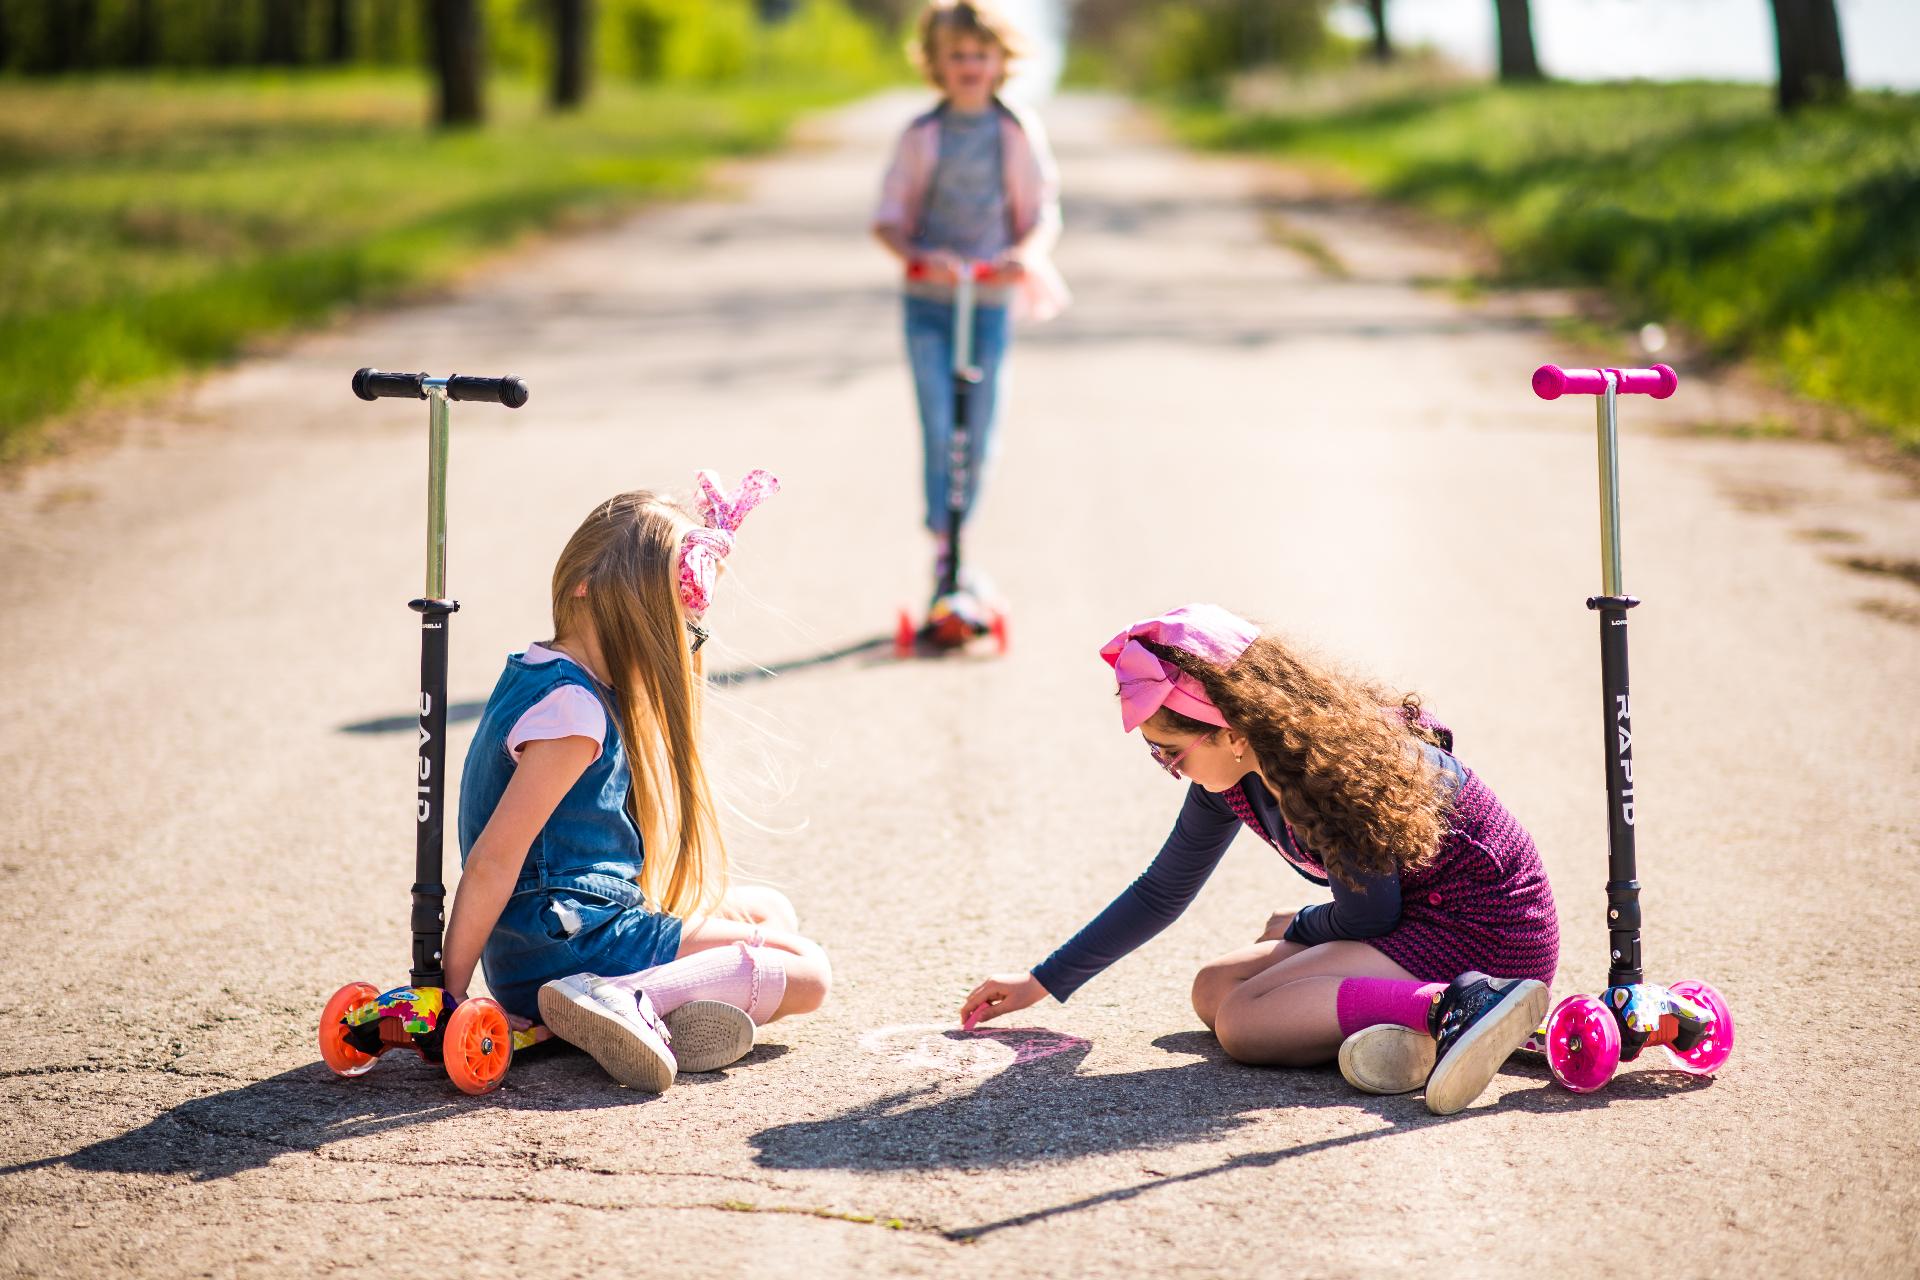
(930, 353)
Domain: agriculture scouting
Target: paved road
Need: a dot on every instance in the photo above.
(206, 653)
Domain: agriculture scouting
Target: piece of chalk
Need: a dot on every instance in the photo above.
(972, 1019)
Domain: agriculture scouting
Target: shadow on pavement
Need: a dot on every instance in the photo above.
(309, 1109)
(458, 712)
(1040, 1109)
(878, 645)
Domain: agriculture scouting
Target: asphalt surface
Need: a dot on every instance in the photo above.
(206, 670)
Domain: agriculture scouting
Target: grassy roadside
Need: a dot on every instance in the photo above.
(149, 226)
(1794, 242)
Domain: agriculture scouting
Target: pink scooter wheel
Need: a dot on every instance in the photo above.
(1711, 1053)
(1583, 1043)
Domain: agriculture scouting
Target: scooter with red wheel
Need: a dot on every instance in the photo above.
(1586, 1038)
(960, 613)
(472, 1039)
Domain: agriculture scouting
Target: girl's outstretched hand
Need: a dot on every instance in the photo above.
(1277, 925)
(1002, 993)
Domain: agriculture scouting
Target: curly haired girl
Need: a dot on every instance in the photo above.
(1429, 965)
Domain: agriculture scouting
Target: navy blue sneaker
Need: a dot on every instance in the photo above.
(1477, 1023)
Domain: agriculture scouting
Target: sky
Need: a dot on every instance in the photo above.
(1587, 39)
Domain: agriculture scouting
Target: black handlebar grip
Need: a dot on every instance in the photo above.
(371, 384)
(509, 391)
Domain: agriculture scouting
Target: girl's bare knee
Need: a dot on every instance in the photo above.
(763, 905)
(1210, 987)
(809, 977)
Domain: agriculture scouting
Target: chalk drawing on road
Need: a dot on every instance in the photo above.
(943, 1048)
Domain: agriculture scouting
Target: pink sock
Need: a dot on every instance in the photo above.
(750, 978)
(1367, 1002)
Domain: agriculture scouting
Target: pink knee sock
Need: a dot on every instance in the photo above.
(1367, 1002)
(750, 978)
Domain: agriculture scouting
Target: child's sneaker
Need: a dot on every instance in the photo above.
(619, 1029)
(1387, 1059)
(1477, 1023)
(709, 1034)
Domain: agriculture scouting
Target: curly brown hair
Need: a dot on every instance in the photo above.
(1338, 751)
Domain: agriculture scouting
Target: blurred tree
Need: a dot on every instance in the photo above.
(226, 34)
(339, 46)
(1382, 46)
(282, 33)
(143, 34)
(1813, 66)
(1516, 41)
(69, 26)
(572, 52)
(459, 62)
(773, 11)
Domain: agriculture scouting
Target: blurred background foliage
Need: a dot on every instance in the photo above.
(656, 41)
(179, 176)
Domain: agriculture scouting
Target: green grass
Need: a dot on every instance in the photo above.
(1792, 241)
(150, 226)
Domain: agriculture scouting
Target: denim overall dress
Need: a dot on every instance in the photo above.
(576, 906)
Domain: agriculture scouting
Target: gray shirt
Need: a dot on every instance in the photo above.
(966, 209)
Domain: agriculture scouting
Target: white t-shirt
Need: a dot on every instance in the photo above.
(571, 711)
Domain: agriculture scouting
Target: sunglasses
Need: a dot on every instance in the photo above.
(1171, 763)
(699, 634)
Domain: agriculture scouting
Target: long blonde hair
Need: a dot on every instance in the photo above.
(627, 553)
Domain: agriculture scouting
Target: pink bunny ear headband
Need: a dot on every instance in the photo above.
(703, 549)
(1149, 682)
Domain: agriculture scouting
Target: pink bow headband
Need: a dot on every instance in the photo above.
(1148, 682)
(702, 549)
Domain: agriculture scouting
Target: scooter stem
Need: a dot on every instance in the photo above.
(963, 323)
(436, 489)
(1623, 888)
(1608, 427)
(429, 894)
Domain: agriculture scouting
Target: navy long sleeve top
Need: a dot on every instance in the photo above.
(1206, 826)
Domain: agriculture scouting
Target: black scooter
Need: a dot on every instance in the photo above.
(958, 616)
(1586, 1038)
(361, 1022)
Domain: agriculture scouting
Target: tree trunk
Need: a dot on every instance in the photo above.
(458, 61)
(572, 41)
(340, 32)
(143, 42)
(1382, 46)
(69, 28)
(1517, 62)
(1813, 67)
(282, 32)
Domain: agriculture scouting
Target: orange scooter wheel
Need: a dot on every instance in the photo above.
(904, 636)
(335, 1051)
(479, 1046)
(999, 630)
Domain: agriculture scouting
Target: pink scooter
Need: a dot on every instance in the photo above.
(1586, 1038)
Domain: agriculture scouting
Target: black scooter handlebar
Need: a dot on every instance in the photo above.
(509, 391)
(372, 384)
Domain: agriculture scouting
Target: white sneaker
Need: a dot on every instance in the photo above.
(620, 1030)
(710, 1034)
(1387, 1059)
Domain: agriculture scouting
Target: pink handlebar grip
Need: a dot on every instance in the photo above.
(917, 270)
(1550, 381)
